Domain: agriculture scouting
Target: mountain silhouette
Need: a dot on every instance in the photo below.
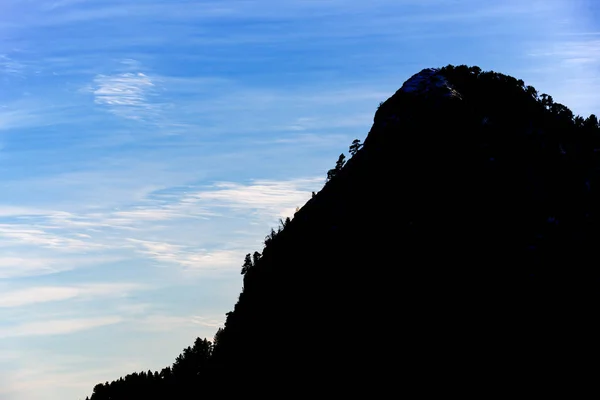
(455, 250)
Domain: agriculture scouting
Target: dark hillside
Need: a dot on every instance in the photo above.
(459, 238)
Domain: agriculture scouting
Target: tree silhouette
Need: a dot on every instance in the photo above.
(532, 92)
(217, 337)
(338, 167)
(255, 257)
(591, 122)
(247, 264)
(354, 147)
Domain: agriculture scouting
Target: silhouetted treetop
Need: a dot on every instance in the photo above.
(338, 167)
(354, 147)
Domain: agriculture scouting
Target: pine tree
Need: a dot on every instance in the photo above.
(354, 147)
(255, 257)
(338, 167)
(247, 264)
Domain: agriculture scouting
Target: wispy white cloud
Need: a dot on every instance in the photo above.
(569, 52)
(53, 5)
(57, 327)
(10, 66)
(311, 140)
(272, 10)
(190, 258)
(9, 211)
(24, 111)
(169, 323)
(19, 234)
(44, 294)
(269, 198)
(13, 119)
(133, 309)
(67, 230)
(127, 94)
(163, 227)
(575, 60)
(26, 265)
(274, 198)
(28, 261)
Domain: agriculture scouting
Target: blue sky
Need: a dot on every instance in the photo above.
(146, 146)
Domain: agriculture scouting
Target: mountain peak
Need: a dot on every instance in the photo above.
(429, 81)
